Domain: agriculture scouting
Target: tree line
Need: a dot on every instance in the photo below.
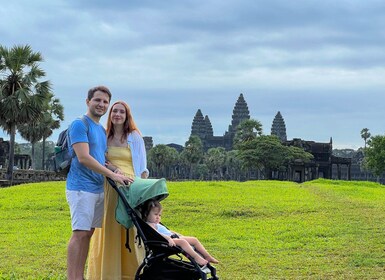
(28, 106)
(254, 155)
(373, 153)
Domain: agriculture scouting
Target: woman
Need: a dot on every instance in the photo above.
(108, 257)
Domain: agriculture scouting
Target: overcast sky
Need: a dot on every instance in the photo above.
(320, 63)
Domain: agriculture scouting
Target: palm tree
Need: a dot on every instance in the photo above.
(215, 160)
(22, 95)
(192, 153)
(43, 128)
(365, 134)
(164, 159)
(247, 130)
(51, 121)
(32, 133)
(233, 166)
(375, 155)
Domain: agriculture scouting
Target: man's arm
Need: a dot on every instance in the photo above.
(83, 154)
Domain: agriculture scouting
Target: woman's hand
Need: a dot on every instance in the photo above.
(121, 179)
(144, 175)
(118, 171)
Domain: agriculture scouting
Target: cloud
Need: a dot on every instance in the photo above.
(318, 62)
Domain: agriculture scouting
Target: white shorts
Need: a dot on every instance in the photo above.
(86, 209)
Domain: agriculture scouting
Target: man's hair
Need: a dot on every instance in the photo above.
(92, 91)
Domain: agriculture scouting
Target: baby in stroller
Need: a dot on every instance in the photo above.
(152, 212)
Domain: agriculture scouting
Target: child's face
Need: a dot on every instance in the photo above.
(154, 215)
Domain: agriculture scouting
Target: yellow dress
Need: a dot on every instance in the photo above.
(108, 257)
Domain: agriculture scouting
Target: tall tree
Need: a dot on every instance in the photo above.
(52, 114)
(164, 159)
(201, 171)
(233, 166)
(51, 120)
(375, 155)
(268, 154)
(296, 153)
(215, 160)
(32, 133)
(247, 130)
(365, 134)
(22, 94)
(192, 153)
(26, 148)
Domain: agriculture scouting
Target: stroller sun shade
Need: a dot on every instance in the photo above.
(138, 192)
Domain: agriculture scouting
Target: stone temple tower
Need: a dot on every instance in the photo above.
(209, 127)
(278, 127)
(240, 113)
(201, 126)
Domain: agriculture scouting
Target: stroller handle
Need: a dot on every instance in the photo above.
(120, 193)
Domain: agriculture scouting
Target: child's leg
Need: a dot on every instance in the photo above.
(189, 250)
(199, 247)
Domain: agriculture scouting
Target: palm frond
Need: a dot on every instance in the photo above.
(44, 88)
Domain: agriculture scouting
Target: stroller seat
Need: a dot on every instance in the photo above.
(161, 262)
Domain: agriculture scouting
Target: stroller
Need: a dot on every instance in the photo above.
(161, 261)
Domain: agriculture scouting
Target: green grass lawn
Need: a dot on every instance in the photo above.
(258, 229)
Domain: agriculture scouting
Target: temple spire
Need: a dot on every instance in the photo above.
(278, 127)
(198, 126)
(240, 113)
(208, 126)
(202, 127)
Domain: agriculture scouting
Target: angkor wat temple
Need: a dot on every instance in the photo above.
(21, 171)
(201, 126)
(324, 165)
(321, 167)
(21, 161)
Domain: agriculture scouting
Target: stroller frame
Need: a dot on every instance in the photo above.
(163, 262)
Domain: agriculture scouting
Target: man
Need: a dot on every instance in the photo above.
(85, 191)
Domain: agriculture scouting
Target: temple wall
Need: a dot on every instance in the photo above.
(22, 176)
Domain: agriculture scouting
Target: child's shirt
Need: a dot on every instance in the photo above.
(163, 230)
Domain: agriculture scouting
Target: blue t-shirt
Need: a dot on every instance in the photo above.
(80, 178)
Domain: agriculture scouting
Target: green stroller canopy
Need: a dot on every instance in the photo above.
(138, 192)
